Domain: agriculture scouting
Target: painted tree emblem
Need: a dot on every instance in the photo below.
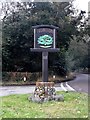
(45, 41)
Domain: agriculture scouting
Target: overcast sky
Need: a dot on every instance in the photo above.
(81, 4)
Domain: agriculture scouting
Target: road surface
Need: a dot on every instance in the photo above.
(79, 84)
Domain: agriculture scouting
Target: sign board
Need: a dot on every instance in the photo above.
(44, 36)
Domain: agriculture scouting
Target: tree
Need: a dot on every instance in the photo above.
(18, 33)
(0, 48)
(77, 55)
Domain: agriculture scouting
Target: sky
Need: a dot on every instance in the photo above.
(82, 4)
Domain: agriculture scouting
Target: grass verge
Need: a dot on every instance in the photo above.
(75, 105)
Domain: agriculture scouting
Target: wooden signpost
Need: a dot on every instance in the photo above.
(45, 41)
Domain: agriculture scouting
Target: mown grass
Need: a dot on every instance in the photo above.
(75, 105)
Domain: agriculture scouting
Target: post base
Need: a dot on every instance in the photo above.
(45, 91)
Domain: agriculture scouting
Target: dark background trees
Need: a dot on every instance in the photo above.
(18, 34)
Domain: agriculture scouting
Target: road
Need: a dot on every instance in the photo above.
(79, 84)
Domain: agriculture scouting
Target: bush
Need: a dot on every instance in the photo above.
(5, 76)
(19, 76)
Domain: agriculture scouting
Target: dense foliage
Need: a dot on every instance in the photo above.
(18, 34)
